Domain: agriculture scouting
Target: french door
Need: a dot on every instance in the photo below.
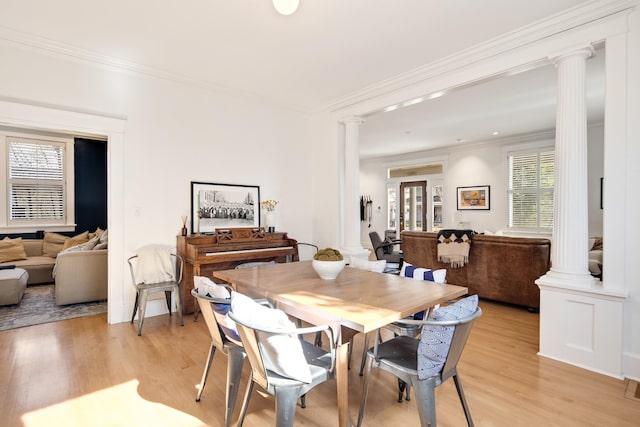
(413, 206)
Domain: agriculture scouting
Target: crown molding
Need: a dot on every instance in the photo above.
(547, 27)
(33, 41)
(566, 20)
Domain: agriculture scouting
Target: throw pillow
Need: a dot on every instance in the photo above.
(436, 339)
(52, 244)
(205, 286)
(77, 245)
(281, 353)
(102, 245)
(418, 273)
(12, 249)
(103, 241)
(73, 242)
(363, 264)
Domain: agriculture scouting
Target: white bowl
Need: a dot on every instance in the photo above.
(328, 270)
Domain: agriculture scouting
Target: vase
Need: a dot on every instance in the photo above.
(270, 221)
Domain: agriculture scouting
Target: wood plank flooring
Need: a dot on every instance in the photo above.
(83, 372)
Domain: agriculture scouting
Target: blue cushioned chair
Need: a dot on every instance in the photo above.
(424, 363)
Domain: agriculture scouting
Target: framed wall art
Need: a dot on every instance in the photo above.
(474, 198)
(223, 206)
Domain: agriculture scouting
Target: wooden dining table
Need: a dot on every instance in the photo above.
(357, 301)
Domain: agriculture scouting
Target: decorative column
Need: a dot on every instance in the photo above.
(569, 252)
(351, 203)
(580, 323)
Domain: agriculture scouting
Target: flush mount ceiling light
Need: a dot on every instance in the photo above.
(286, 7)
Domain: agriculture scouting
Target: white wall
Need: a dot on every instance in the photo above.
(174, 134)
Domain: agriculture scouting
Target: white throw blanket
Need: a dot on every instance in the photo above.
(154, 265)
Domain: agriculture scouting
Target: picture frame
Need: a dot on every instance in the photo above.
(474, 198)
(216, 205)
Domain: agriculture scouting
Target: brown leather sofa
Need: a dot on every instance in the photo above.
(500, 268)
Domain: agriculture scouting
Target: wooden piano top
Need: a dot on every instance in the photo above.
(197, 247)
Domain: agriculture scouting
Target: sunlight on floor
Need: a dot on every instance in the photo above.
(99, 409)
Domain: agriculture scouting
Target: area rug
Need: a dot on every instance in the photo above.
(38, 305)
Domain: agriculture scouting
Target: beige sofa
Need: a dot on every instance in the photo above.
(79, 276)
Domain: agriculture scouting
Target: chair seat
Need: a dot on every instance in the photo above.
(168, 286)
(400, 352)
(319, 364)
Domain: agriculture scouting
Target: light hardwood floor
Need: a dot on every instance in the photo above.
(83, 372)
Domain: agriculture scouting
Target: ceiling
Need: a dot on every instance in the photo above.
(328, 50)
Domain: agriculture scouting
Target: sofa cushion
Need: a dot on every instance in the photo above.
(12, 250)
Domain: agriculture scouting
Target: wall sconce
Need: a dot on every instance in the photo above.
(286, 7)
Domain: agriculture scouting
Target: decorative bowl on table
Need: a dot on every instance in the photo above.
(328, 263)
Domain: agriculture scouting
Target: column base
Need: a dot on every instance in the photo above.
(581, 325)
(572, 280)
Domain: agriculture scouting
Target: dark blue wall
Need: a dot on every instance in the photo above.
(91, 184)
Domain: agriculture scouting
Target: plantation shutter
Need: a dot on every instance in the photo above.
(36, 180)
(531, 182)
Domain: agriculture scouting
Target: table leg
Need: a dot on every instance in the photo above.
(342, 383)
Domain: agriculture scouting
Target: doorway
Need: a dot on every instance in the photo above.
(413, 206)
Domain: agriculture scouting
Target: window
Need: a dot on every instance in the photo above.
(531, 182)
(39, 184)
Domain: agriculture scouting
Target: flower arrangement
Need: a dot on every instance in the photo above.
(269, 205)
(328, 254)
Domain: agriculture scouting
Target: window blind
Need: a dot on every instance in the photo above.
(36, 180)
(531, 183)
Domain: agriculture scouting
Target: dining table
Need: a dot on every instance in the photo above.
(357, 301)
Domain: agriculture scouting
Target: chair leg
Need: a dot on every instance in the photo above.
(403, 388)
(234, 372)
(245, 402)
(205, 374)
(142, 306)
(135, 307)
(365, 387)
(467, 413)
(286, 402)
(179, 305)
(167, 298)
(425, 400)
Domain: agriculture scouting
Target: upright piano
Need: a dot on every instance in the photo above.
(225, 249)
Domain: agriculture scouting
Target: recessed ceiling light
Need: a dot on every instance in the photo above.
(496, 132)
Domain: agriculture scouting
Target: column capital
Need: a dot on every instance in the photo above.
(357, 120)
(586, 51)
